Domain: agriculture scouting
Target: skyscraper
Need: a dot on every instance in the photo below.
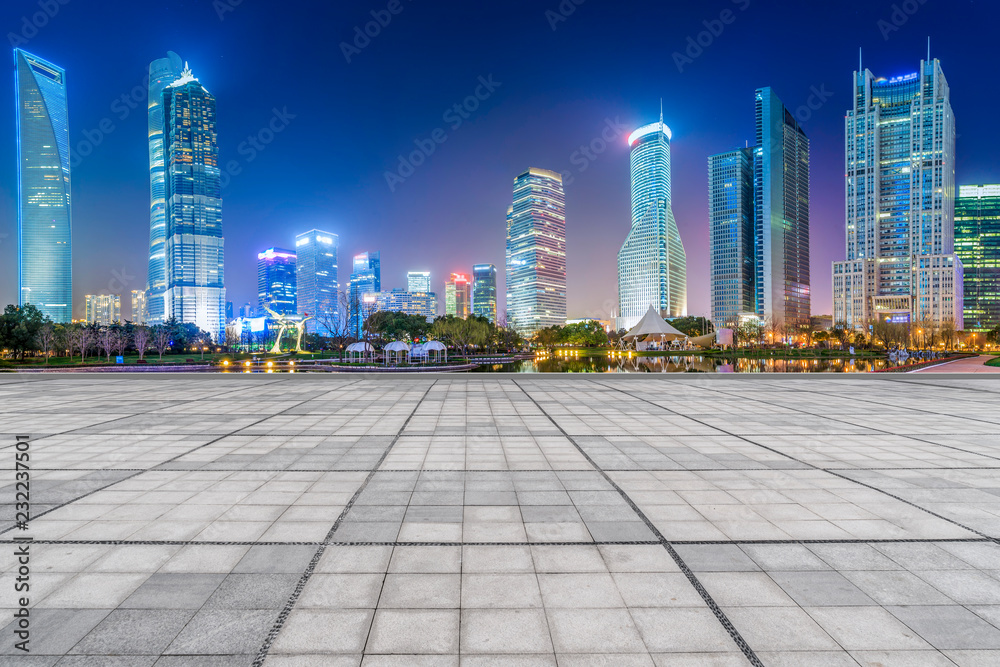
(139, 313)
(484, 291)
(977, 245)
(103, 309)
(193, 207)
(316, 278)
(731, 235)
(536, 252)
(162, 73)
(45, 252)
(652, 266)
(418, 281)
(365, 280)
(276, 281)
(456, 296)
(781, 214)
(423, 304)
(900, 173)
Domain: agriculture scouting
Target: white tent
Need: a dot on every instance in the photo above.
(361, 349)
(423, 350)
(652, 328)
(398, 349)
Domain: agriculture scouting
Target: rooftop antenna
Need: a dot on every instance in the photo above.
(860, 70)
(661, 110)
(928, 48)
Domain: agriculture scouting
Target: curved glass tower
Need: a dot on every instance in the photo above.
(652, 266)
(162, 73)
(45, 251)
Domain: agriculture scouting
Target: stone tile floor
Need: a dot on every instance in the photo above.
(294, 521)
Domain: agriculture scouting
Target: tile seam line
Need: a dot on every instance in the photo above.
(293, 599)
(829, 472)
(141, 471)
(716, 610)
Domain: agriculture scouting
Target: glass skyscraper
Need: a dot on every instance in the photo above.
(900, 170)
(731, 236)
(103, 309)
(456, 296)
(977, 245)
(418, 281)
(484, 291)
(45, 250)
(316, 278)
(193, 207)
(276, 281)
(162, 73)
(536, 252)
(652, 266)
(365, 280)
(781, 212)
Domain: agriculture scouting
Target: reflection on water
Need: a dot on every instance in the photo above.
(684, 364)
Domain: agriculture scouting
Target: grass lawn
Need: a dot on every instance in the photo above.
(995, 361)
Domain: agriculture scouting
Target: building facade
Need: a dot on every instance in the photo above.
(536, 252)
(900, 193)
(162, 73)
(45, 238)
(484, 291)
(977, 245)
(652, 266)
(104, 309)
(366, 280)
(276, 281)
(422, 304)
(781, 212)
(139, 312)
(316, 279)
(731, 235)
(418, 281)
(195, 291)
(456, 296)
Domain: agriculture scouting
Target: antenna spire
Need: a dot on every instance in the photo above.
(860, 70)
(928, 48)
(661, 110)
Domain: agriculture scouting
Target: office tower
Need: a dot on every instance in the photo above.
(162, 73)
(103, 309)
(45, 256)
(484, 291)
(456, 296)
(781, 214)
(652, 266)
(366, 279)
(418, 281)
(193, 207)
(246, 311)
(276, 281)
(536, 252)
(139, 312)
(977, 245)
(316, 276)
(900, 195)
(423, 304)
(731, 235)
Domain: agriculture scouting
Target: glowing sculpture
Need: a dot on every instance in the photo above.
(285, 323)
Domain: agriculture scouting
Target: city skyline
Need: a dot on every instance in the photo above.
(815, 94)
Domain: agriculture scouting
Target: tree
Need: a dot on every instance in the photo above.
(106, 340)
(692, 326)
(391, 325)
(584, 334)
(46, 339)
(337, 324)
(19, 327)
(82, 337)
(141, 339)
(548, 337)
(993, 335)
(161, 339)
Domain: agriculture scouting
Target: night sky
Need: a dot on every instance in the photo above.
(554, 90)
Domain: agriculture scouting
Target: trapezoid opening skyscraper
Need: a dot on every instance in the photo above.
(193, 207)
(45, 250)
(652, 266)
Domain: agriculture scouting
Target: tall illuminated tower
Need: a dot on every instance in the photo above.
(45, 251)
(977, 244)
(316, 278)
(456, 296)
(276, 281)
(900, 194)
(162, 73)
(484, 291)
(731, 236)
(193, 207)
(366, 281)
(418, 281)
(536, 252)
(652, 266)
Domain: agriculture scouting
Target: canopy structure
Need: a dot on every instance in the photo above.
(362, 349)
(398, 349)
(651, 329)
(423, 351)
